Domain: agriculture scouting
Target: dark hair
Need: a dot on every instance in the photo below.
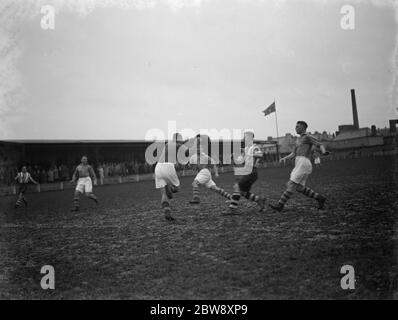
(303, 123)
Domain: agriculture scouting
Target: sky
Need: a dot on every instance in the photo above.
(119, 69)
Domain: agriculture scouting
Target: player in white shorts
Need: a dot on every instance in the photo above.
(302, 168)
(85, 175)
(203, 163)
(166, 178)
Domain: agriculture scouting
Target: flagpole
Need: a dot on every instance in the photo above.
(277, 133)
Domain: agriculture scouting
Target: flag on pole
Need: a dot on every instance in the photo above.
(270, 109)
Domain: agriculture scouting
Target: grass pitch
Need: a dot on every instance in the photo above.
(125, 249)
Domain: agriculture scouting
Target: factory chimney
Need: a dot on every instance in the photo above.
(354, 109)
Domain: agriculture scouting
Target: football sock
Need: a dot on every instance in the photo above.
(222, 192)
(285, 197)
(18, 203)
(310, 193)
(251, 196)
(195, 190)
(92, 197)
(76, 200)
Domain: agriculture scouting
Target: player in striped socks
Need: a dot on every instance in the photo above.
(85, 176)
(203, 163)
(302, 169)
(23, 178)
(247, 174)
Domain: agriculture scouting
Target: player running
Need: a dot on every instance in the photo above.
(302, 169)
(85, 176)
(247, 175)
(166, 178)
(23, 178)
(203, 164)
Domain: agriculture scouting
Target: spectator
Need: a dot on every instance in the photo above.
(118, 170)
(36, 173)
(101, 174)
(61, 173)
(50, 175)
(106, 170)
(43, 176)
(55, 172)
(122, 169)
(66, 173)
(136, 168)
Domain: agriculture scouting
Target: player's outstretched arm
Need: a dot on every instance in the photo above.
(319, 144)
(74, 176)
(324, 152)
(33, 180)
(288, 157)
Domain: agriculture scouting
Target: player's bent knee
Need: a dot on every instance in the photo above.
(290, 185)
(299, 188)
